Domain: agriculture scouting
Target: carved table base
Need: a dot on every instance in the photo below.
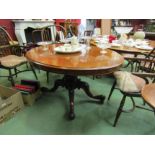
(71, 83)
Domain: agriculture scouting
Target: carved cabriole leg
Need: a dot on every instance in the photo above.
(71, 83)
(57, 83)
(71, 100)
(85, 87)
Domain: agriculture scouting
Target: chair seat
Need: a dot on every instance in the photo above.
(12, 60)
(140, 82)
(128, 82)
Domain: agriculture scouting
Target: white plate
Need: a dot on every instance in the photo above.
(42, 43)
(104, 46)
(116, 45)
(63, 49)
(144, 47)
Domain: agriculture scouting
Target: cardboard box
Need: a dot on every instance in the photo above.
(10, 102)
(30, 90)
(29, 99)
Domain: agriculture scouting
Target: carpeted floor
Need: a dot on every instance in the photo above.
(48, 116)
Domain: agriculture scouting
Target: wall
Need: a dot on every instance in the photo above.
(138, 23)
(9, 25)
(106, 26)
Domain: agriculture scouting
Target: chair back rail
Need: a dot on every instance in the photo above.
(5, 38)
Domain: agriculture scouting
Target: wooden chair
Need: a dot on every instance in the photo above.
(12, 57)
(71, 28)
(5, 38)
(137, 62)
(147, 66)
(140, 79)
(46, 35)
(88, 33)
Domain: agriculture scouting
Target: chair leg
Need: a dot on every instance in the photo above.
(154, 111)
(132, 66)
(27, 65)
(34, 72)
(11, 78)
(15, 70)
(119, 111)
(47, 74)
(136, 67)
(127, 64)
(111, 91)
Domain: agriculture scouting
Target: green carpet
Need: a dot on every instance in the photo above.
(48, 116)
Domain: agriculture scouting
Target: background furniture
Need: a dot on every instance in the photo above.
(21, 25)
(70, 27)
(88, 33)
(132, 50)
(147, 25)
(131, 53)
(46, 34)
(138, 61)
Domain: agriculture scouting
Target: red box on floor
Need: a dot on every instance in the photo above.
(29, 97)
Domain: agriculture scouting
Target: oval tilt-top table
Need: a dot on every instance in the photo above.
(94, 61)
